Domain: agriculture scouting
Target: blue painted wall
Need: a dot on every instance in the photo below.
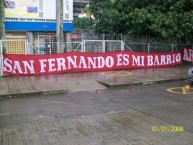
(36, 26)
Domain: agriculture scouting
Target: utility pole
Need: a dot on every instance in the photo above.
(59, 25)
(2, 34)
(2, 20)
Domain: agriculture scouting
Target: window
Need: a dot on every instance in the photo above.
(9, 4)
(66, 8)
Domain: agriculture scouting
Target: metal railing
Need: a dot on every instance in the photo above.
(156, 47)
(51, 47)
(101, 46)
(95, 46)
(22, 46)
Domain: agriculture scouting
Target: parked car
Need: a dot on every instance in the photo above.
(190, 75)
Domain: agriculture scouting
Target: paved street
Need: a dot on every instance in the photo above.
(156, 114)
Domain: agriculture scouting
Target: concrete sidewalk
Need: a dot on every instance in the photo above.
(87, 81)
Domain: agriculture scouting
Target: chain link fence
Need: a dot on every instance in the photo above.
(156, 47)
(95, 46)
(46, 43)
(99, 46)
(51, 47)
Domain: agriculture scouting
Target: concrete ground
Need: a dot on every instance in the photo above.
(128, 107)
(73, 82)
(132, 115)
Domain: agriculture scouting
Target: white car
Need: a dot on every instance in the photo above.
(190, 75)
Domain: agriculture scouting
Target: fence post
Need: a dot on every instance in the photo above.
(83, 46)
(122, 45)
(26, 47)
(148, 47)
(172, 47)
(1, 58)
(104, 46)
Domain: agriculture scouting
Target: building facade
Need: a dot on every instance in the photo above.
(34, 22)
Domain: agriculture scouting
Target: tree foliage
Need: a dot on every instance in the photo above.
(86, 22)
(162, 18)
(83, 23)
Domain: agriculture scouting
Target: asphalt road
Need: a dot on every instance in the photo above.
(149, 114)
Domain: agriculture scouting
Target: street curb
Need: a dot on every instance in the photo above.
(142, 83)
(63, 91)
(24, 94)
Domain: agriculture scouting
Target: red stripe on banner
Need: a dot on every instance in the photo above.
(16, 64)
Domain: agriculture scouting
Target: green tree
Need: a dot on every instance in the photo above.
(172, 19)
(82, 23)
(89, 14)
(105, 16)
(165, 18)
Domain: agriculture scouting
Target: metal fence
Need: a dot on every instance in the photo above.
(96, 46)
(22, 46)
(51, 47)
(156, 47)
(99, 46)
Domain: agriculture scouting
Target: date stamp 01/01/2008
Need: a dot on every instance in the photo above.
(167, 128)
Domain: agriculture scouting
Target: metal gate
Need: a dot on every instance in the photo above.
(44, 44)
(16, 45)
(47, 44)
